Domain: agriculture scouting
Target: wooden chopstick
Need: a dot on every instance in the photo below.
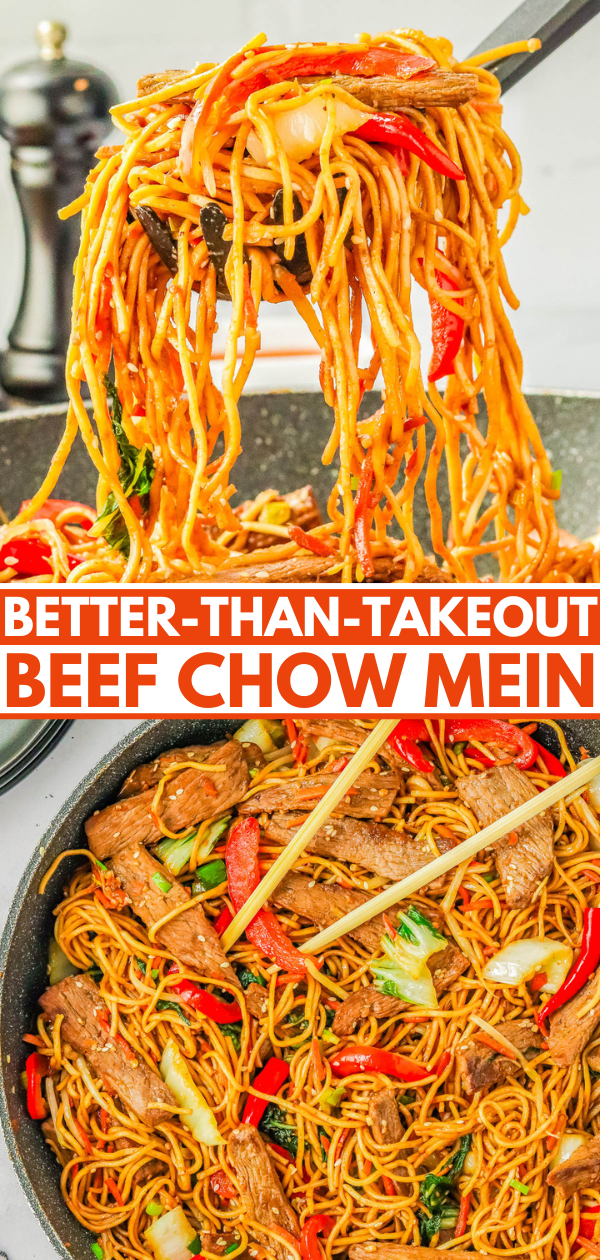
(308, 829)
(411, 883)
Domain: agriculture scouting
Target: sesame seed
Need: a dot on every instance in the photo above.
(311, 883)
(224, 965)
(438, 216)
(132, 367)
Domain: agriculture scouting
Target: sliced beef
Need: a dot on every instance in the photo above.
(188, 798)
(481, 1067)
(152, 1167)
(580, 1172)
(309, 568)
(304, 512)
(189, 937)
(377, 848)
(384, 1118)
(263, 1199)
(341, 732)
(85, 1014)
(149, 775)
(570, 1031)
(371, 796)
(323, 904)
(445, 968)
(398, 1251)
(390, 93)
(524, 864)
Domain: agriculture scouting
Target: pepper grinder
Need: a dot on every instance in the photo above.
(54, 112)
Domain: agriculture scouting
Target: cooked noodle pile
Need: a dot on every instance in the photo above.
(337, 1167)
(375, 219)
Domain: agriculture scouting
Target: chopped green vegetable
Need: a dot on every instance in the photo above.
(59, 965)
(232, 1247)
(234, 1031)
(438, 1194)
(404, 972)
(459, 747)
(162, 883)
(97, 1250)
(209, 876)
(275, 513)
(247, 977)
(556, 483)
(519, 1185)
(429, 1226)
(175, 854)
(436, 1191)
(405, 1099)
(354, 483)
(275, 1126)
(163, 1005)
(489, 877)
(95, 973)
(328, 1035)
(100, 864)
(195, 1246)
(458, 1159)
(333, 1097)
(154, 1209)
(135, 474)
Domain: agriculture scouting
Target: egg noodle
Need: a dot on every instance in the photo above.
(374, 218)
(334, 1164)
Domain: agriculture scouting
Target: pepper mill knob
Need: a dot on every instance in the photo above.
(54, 113)
(51, 37)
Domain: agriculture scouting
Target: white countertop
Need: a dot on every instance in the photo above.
(26, 811)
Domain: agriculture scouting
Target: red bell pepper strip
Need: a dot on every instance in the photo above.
(36, 1066)
(586, 1228)
(52, 508)
(323, 60)
(398, 131)
(318, 546)
(552, 764)
(269, 1081)
(586, 964)
(30, 557)
(443, 1062)
(243, 875)
(495, 731)
(223, 920)
(353, 1059)
(320, 1224)
(404, 740)
(209, 1005)
(463, 1215)
(447, 331)
(363, 506)
(221, 1185)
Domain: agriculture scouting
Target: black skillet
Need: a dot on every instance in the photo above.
(24, 948)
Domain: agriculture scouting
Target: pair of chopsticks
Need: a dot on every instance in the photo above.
(583, 773)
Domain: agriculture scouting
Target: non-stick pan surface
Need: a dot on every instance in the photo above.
(23, 952)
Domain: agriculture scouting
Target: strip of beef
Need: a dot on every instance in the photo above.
(150, 774)
(522, 865)
(188, 798)
(310, 568)
(323, 904)
(481, 1067)
(189, 937)
(580, 1172)
(398, 1251)
(570, 1031)
(374, 846)
(304, 511)
(384, 1118)
(262, 1195)
(341, 732)
(387, 92)
(371, 796)
(151, 1168)
(445, 968)
(81, 1003)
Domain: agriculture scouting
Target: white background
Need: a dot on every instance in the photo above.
(26, 811)
(553, 263)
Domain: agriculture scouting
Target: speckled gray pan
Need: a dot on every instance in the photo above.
(23, 952)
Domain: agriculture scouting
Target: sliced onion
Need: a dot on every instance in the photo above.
(301, 130)
(254, 731)
(186, 150)
(594, 791)
(521, 960)
(569, 1143)
(170, 1236)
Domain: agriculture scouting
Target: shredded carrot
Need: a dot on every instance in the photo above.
(443, 830)
(33, 1040)
(553, 1138)
(589, 1245)
(318, 1069)
(390, 1188)
(114, 1190)
(84, 1137)
(484, 903)
(389, 927)
(513, 838)
(495, 1045)
(538, 981)
(466, 897)
(291, 730)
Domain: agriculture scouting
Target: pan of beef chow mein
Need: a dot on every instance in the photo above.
(430, 1081)
(340, 178)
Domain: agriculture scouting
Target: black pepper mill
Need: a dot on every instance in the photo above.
(54, 113)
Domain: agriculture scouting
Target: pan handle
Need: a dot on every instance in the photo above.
(551, 21)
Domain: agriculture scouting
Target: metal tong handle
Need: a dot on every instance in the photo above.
(549, 20)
